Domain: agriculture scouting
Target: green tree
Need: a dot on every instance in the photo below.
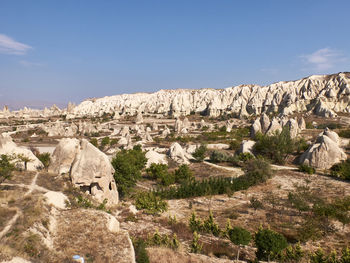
(196, 247)
(21, 158)
(269, 244)
(128, 165)
(183, 174)
(45, 158)
(105, 141)
(160, 173)
(6, 168)
(194, 223)
(275, 147)
(258, 170)
(240, 237)
(200, 152)
(94, 142)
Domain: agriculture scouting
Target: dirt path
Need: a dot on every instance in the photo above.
(238, 171)
(33, 186)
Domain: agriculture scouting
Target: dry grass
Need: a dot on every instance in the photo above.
(5, 215)
(51, 181)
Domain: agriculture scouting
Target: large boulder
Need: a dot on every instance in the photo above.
(93, 172)
(154, 157)
(256, 127)
(89, 168)
(247, 146)
(325, 152)
(178, 154)
(8, 147)
(265, 122)
(64, 155)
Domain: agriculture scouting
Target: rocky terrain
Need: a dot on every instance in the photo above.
(170, 176)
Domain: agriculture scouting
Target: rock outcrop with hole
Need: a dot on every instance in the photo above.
(89, 168)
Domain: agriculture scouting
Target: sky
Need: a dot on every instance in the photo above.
(61, 50)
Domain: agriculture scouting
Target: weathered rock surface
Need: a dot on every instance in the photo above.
(178, 154)
(57, 199)
(9, 147)
(323, 94)
(325, 152)
(89, 168)
(155, 157)
(64, 155)
(247, 146)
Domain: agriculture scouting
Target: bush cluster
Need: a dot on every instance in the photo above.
(128, 165)
(150, 202)
(306, 169)
(160, 173)
(341, 170)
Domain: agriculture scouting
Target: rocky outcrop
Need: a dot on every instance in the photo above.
(8, 147)
(89, 168)
(264, 126)
(324, 94)
(64, 155)
(178, 154)
(155, 157)
(325, 152)
(247, 146)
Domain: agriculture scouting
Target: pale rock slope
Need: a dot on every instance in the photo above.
(323, 94)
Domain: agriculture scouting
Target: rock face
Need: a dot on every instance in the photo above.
(325, 152)
(265, 126)
(64, 155)
(154, 157)
(323, 94)
(8, 147)
(247, 146)
(89, 168)
(178, 154)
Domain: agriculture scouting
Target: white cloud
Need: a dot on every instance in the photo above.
(11, 46)
(323, 59)
(30, 64)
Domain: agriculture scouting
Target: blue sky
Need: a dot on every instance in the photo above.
(63, 50)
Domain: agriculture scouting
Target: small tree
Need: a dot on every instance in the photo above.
(269, 244)
(6, 168)
(105, 141)
(196, 247)
(275, 147)
(200, 152)
(183, 174)
(160, 173)
(45, 158)
(94, 142)
(128, 165)
(239, 236)
(194, 223)
(25, 159)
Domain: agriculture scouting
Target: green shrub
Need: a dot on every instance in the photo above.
(194, 223)
(309, 125)
(306, 169)
(196, 247)
(94, 142)
(344, 133)
(269, 244)
(45, 158)
(150, 202)
(258, 170)
(330, 125)
(341, 170)
(105, 141)
(244, 157)
(275, 147)
(218, 157)
(140, 251)
(210, 226)
(128, 165)
(239, 236)
(292, 254)
(6, 167)
(200, 152)
(235, 145)
(183, 174)
(160, 173)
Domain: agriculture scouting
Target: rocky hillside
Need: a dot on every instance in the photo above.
(323, 94)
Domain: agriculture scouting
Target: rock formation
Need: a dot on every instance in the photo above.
(325, 152)
(178, 154)
(8, 147)
(89, 168)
